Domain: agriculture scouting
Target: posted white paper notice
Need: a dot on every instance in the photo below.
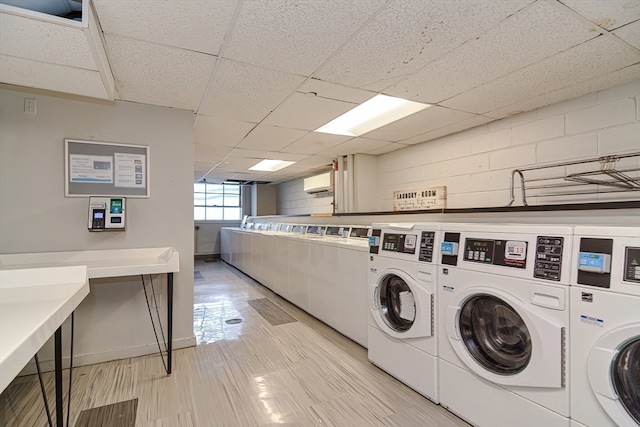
(130, 170)
(86, 168)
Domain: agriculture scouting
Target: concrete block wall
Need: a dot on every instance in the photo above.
(292, 199)
(475, 165)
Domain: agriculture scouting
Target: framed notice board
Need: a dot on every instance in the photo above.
(93, 168)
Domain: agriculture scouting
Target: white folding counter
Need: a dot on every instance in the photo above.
(38, 291)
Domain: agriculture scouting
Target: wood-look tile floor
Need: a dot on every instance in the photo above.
(252, 373)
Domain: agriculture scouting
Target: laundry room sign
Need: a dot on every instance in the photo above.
(423, 199)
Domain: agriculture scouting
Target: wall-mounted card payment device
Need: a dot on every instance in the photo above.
(106, 213)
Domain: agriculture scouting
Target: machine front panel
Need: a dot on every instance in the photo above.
(399, 242)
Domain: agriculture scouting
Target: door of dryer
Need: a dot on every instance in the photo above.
(400, 306)
(614, 374)
(503, 340)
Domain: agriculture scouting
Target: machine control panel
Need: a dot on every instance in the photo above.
(396, 242)
(632, 264)
(337, 231)
(594, 262)
(374, 241)
(360, 232)
(299, 229)
(506, 253)
(426, 246)
(449, 248)
(548, 258)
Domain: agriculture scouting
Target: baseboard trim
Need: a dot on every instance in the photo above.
(107, 356)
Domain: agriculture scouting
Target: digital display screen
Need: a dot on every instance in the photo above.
(116, 206)
(98, 215)
(403, 243)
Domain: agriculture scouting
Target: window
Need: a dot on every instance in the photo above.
(216, 202)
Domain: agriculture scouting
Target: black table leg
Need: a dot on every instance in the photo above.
(58, 376)
(169, 320)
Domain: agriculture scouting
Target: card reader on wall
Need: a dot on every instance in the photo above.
(106, 214)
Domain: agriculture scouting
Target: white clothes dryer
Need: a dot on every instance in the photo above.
(605, 324)
(504, 323)
(402, 301)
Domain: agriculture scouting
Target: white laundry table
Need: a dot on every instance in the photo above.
(38, 291)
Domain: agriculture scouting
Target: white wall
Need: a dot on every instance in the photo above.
(263, 199)
(207, 236)
(475, 165)
(36, 217)
(292, 199)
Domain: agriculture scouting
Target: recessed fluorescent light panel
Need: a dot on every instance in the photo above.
(372, 114)
(268, 165)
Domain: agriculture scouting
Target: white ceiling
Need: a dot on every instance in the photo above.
(261, 75)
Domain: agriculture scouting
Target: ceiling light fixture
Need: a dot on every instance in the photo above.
(270, 165)
(372, 114)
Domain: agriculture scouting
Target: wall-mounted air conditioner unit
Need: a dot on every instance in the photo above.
(319, 184)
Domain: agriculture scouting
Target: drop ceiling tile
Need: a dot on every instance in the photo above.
(202, 168)
(354, 146)
(198, 25)
(388, 148)
(216, 177)
(265, 154)
(316, 162)
(42, 41)
(158, 75)
(246, 93)
(237, 164)
(616, 78)
(409, 34)
(270, 138)
(432, 118)
(458, 126)
(306, 112)
(630, 33)
(610, 14)
(315, 142)
(525, 38)
(58, 78)
(336, 91)
(295, 36)
(594, 58)
(210, 153)
(220, 132)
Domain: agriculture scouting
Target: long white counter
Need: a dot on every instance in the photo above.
(33, 305)
(37, 295)
(101, 263)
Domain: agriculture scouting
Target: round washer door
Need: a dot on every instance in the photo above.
(504, 340)
(495, 335)
(614, 374)
(402, 308)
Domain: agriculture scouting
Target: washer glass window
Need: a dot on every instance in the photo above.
(495, 334)
(626, 377)
(397, 303)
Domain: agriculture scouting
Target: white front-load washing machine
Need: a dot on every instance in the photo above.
(605, 325)
(402, 301)
(504, 323)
